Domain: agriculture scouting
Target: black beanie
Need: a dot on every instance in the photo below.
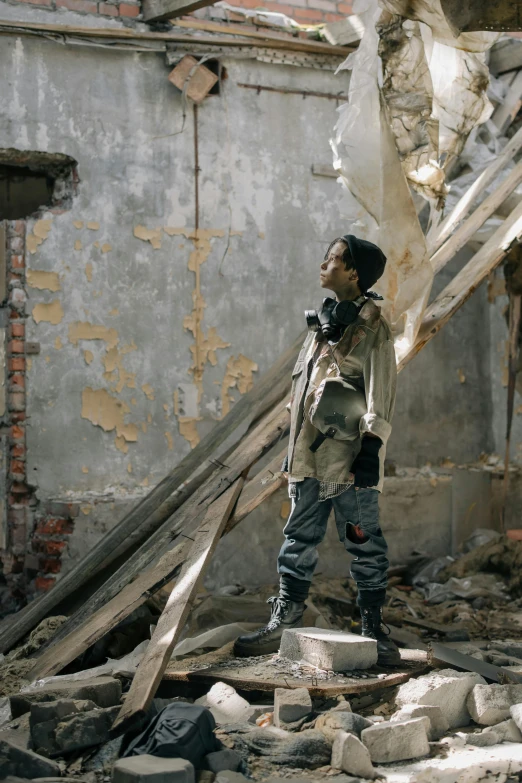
(368, 260)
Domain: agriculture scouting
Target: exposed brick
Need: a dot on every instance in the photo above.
(323, 5)
(17, 383)
(50, 566)
(301, 3)
(15, 346)
(83, 6)
(129, 10)
(107, 10)
(54, 527)
(18, 451)
(333, 17)
(17, 417)
(58, 509)
(16, 401)
(17, 228)
(17, 329)
(307, 15)
(344, 8)
(14, 314)
(16, 244)
(17, 466)
(16, 364)
(44, 583)
(19, 489)
(48, 547)
(17, 432)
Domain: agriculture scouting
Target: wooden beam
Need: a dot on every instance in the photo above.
(170, 624)
(443, 231)
(273, 385)
(466, 282)
(468, 229)
(273, 41)
(120, 595)
(259, 489)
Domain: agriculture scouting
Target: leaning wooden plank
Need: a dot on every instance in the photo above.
(467, 230)
(170, 624)
(443, 231)
(504, 114)
(466, 282)
(120, 596)
(259, 489)
(271, 387)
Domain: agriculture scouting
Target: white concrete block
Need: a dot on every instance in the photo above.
(225, 704)
(447, 689)
(352, 756)
(153, 769)
(397, 741)
(438, 722)
(490, 704)
(516, 713)
(333, 650)
(291, 705)
(507, 731)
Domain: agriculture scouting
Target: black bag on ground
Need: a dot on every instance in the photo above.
(180, 730)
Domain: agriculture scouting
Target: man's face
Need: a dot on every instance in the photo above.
(334, 275)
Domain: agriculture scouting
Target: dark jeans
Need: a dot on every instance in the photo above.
(306, 528)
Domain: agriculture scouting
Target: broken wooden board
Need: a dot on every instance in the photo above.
(458, 291)
(437, 236)
(173, 618)
(258, 674)
(506, 112)
(112, 605)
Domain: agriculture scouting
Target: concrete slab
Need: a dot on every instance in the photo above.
(336, 651)
(153, 769)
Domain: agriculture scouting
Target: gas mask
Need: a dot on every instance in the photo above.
(333, 318)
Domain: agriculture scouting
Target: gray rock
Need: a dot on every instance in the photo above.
(103, 691)
(56, 710)
(446, 688)
(438, 723)
(506, 731)
(85, 729)
(222, 760)
(332, 650)
(307, 750)
(153, 769)
(337, 720)
(350, 755)
(291, 705)
(482, 739)
(516, 713)
(225, 704)
(397, 741)
(490, 704)
(227, 776)
(104, 758)
(24, 763)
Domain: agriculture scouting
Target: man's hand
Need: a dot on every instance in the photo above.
(366, 466)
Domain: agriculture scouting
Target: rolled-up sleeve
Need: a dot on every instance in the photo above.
(380, 382)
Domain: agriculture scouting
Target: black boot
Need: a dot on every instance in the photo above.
(285, 614)
(372, 627)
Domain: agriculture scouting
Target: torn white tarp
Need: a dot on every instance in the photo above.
(378, 201)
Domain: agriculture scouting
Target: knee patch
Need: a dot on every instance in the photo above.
(355, 534)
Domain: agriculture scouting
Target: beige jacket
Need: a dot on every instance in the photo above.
(365, 355)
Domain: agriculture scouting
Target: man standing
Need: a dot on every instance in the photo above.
(326, 472)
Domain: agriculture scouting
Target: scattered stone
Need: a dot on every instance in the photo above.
(222, 760)
(438, 723)
(446, 688)
(350, 722)
(225, 704)
(397, 741)
(103, 691)
(350, 755)
(24, 763)
(507, 731)
(231, 777)
(56, 710)
(490, 704)
(482, 740)
(336, 651)
(153, 769)
(85, 729)
(305, 750)
(104, 758)
(516, 713)
(291, 705)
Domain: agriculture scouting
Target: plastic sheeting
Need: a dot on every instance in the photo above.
(397, 127)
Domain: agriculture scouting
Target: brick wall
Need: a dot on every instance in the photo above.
(128, 9)
(303, 11)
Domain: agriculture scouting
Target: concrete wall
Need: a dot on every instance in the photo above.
(148, 333)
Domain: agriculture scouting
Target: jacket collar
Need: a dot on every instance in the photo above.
(369, 314)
